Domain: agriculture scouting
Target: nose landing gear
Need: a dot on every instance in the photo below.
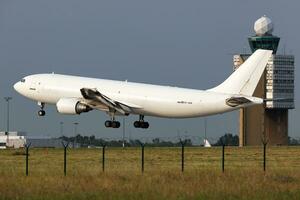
(41, 112)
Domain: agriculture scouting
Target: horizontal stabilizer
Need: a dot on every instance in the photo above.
(243, 100)
(236, 101)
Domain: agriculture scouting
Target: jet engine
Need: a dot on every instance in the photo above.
(71, 106)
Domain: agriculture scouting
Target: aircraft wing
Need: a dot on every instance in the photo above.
(98, 99)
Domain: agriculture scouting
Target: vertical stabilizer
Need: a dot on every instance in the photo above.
(245, 79)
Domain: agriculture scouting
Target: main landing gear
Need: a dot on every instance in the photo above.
(116, 124)
(112, 123)
(141, 123)
(41, 112)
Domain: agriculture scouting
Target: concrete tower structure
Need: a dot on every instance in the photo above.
(268, 122)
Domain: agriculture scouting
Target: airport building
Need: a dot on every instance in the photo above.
(268, 122)
(12, 140)
(19, 139)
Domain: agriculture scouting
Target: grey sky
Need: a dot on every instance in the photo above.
(182, 43)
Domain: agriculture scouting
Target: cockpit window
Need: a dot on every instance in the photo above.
(23, 80)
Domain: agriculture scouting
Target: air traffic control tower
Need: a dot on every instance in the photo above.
(268, 122)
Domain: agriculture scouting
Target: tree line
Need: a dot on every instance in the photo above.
(85, 141)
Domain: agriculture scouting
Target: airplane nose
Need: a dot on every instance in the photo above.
(17, 86)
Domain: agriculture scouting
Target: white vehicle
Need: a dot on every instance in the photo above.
(75, 95)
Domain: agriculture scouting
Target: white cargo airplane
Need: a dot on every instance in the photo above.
(75, 95)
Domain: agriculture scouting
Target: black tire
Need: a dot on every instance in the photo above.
(41, 113)
(118, 124)
(145, 125)
(137, 124)
(115, 124)
(108, 124)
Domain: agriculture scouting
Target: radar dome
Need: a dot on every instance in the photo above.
(263, 26)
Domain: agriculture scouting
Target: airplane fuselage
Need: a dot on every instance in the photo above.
(153, 100)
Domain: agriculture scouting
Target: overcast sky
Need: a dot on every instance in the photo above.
(170, 42)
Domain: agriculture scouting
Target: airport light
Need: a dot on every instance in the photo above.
(7, 99)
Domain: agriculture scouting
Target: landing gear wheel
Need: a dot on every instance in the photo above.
(115, 124)
(41, 113)
(108, 124)
(112, 124)
(137, 124)
(144, 125)
(141, 123)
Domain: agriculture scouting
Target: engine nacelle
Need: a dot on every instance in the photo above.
(71, 106)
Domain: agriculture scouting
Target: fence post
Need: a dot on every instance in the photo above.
(264, 140)
(65, 145)
(223, 158)
(27, 154)
(182, 155)
(143, 156)
(103, 157)
(264, 155)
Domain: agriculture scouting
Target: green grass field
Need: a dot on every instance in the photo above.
(162, 179)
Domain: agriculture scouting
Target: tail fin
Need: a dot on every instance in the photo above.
(245, 79)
